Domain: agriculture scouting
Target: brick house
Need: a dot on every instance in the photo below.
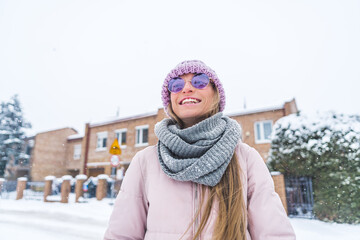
(137, 132)
(65, 152)
(49, 153)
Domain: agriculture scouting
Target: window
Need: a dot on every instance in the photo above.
(263, 131)
(101, 141)
(121, 137)
(77, 151)
(29, 147)
(142, 133)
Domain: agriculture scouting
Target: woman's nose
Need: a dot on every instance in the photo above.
(188, 87)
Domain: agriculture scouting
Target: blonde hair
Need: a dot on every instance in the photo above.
(231, 219)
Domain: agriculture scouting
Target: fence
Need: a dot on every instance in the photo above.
(6, 188)
(58, 189)
(299, 195)
(34, 191)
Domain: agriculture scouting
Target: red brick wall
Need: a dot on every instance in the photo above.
(248, 128)
(279, 183)
(73, 165)
(128, 152)
(49, 154)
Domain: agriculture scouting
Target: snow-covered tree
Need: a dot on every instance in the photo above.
(325, 147)
(12, 125)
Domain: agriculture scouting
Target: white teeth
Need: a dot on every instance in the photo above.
(190, 100)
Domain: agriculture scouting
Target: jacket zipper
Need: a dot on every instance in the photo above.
(196, 207)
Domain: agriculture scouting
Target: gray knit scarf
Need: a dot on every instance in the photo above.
(200, 153)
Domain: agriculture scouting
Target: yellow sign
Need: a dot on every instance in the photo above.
(115, 148)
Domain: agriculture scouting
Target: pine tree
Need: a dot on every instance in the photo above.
(12, 125)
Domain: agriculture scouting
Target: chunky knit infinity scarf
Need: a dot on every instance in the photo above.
(200, 153)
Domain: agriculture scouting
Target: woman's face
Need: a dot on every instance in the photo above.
(192, 104)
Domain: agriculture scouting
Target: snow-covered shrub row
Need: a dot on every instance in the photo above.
(325, 147)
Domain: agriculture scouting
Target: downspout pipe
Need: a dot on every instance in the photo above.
(87, 140)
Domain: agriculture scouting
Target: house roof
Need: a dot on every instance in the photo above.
(116, 120)
(75, 136)
(58, 129)
(256, 110)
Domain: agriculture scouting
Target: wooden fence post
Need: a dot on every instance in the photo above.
(279, 182)
(20, 187)
(48, 187)
(101, 188)
(80, 179)
(65, 189)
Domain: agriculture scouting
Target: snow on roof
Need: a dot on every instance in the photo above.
(97, 164)
(117, 119)
(255, 110)
(57, 129)
(75, 136)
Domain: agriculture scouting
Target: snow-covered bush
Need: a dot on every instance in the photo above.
(325, 147)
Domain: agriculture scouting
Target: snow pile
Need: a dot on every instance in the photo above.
(66, 177)
(81, 177)
(33, 220)
(103, 176)
(50, 178)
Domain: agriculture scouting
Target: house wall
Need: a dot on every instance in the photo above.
(73, 166)
(101, 159)
(247, 123)
(279, 184)
(49, 154)
(53, 153)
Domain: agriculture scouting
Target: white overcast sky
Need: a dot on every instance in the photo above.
(75, 61)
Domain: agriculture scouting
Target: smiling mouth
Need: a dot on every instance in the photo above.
(189, 101)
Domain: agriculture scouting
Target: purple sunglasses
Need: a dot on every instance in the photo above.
(199, 81)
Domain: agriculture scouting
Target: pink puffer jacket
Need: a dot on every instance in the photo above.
(152, 206)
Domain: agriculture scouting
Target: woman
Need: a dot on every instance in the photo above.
(200, 181)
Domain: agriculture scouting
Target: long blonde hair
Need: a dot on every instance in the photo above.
(231, 220)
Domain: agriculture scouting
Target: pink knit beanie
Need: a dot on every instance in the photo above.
(192, 66)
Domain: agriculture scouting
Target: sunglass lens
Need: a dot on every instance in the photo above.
(200, 81)
(176, 85)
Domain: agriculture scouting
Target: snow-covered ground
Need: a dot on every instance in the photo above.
(36, 220)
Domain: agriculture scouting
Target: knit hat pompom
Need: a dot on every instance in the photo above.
(192, 66)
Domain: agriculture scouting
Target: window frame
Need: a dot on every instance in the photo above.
(101, 135)
(120, 131)
(262, 131)
(75, 147)
(141, 143)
